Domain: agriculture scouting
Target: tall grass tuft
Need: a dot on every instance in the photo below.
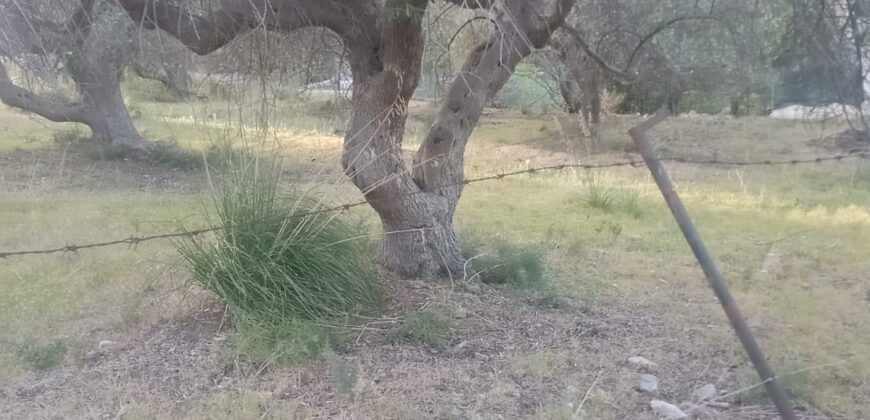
(273, 262)
(599, 196)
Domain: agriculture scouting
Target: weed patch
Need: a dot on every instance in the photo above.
(43, 356)
(288, 342)
(428, 328)
(507, 264)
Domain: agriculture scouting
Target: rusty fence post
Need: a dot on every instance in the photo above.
(714, 277)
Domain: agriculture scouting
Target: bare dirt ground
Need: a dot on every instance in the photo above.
(510, 357)
(59, 169)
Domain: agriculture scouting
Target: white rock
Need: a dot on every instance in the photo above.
(704, 393)
(834, 111)
(649, 383)
(667, 410)
(108, 346)
(460, 347)
(641, 362)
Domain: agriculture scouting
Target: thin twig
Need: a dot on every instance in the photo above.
(586, 395)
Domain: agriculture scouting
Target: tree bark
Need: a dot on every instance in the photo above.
(438, 168)
(105, 110)
(571, 94)
(594, 94)
(418, 225)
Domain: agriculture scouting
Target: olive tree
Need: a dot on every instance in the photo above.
(89, 44)
(384, 42)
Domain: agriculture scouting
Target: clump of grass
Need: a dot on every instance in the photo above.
(598, 196)
(275, 262)
(429, 328)
(629, 203)
(508, 264)
(43, 356)
(609, 200)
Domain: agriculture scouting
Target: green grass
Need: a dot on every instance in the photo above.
(288, 342)
(274, 261)
(42, 356)
(428, 328)
(505, 264)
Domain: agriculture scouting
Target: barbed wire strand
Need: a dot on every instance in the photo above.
(136, 240)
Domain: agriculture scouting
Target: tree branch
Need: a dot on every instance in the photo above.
(624, 74)
(658, 29)
(54, 110)
(351, 19)
(621, 74)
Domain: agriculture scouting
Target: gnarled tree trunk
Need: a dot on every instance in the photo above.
(418, 233)
(385, 46)
(105, 111)
(439, 163)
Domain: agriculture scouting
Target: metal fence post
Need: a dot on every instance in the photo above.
(756, 355)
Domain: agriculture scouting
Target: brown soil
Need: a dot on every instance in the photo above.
(484, 373)
(59, 169)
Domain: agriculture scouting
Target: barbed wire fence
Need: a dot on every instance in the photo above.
(635, 163)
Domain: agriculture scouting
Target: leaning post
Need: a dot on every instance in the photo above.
(639, 134)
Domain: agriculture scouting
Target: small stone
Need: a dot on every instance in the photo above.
(480, 356)
(649, 383)
(641, 362)
(460, 347)
(93, 355)
(667, 410)
(704, 393)
(108, 346)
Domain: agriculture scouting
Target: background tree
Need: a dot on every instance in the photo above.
(824, 55)
(713, 55)
(90, 45)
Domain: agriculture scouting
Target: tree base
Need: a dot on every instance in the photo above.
(429, 250)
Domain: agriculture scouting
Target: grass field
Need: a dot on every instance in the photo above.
(121, 332)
